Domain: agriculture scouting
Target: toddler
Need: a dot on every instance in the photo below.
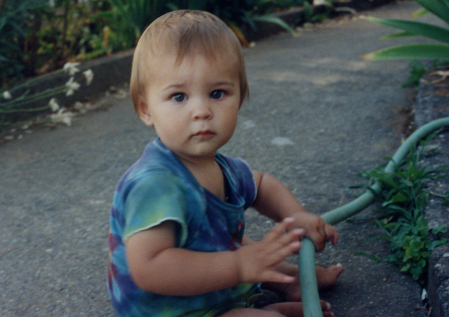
(177, 243)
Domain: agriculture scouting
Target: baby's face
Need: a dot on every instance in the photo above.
(193, 107)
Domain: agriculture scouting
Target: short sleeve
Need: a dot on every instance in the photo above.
(152, 198)
(246, 182)
(240, 177)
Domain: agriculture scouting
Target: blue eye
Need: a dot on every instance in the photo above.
(179, 97)
(217, 94)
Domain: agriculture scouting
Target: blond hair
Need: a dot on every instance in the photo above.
(187, 33)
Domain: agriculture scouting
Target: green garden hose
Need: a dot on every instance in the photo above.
(307, 272)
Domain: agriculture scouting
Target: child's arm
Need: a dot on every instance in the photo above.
(274, 200)
(157, 266)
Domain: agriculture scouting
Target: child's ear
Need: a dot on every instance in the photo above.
(144, 113)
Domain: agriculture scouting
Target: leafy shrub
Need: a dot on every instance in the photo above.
(435, 52)
(128, 19)
(439, 8)
(17, 36)
(404, 198)
(36, 38)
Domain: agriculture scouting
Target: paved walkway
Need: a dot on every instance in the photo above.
(318, 115)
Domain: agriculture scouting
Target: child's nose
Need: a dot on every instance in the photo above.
(202, 110)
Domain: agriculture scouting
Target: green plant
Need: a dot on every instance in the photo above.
(19, 22)
(129, 18)
(234, 11)
(418, 69)
(37, 38)
(311, 17)
(69, 32)
(439, 8)
(404, 197)
(239, 13)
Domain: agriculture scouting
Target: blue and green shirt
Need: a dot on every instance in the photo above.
(158, 188)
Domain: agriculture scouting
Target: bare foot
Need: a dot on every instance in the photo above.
(291, 309)
(328, 277)
(285, 309)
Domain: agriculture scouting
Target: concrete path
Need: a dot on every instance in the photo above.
(317, 116)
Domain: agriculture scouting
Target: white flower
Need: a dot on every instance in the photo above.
(61, 116)
(53, 105)
(424, 294)
(71, 68)
(67, 118)
(71, 86)
(89, 76)
(7, 95)
(78, 105)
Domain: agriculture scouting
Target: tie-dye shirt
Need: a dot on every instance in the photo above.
(158, 188)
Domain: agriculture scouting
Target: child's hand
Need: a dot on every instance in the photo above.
(317, 229)
(257, 261)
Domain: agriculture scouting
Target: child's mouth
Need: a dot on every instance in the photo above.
(204, 134)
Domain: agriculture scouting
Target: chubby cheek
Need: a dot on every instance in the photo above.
(230, 123)
(170, 128)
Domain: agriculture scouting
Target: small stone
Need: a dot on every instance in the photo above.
(280, 141)
(249, 124)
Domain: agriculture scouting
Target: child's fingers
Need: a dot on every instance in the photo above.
(325, 306)
(291, 236)
(278, 231)
(277, 277)
(322, 236)
(287, 250)
(321, 233)
(331, 234)
(277, 253)
(283, 226)
(257, 260)
(281, 247)
(278, 243)
(281, 229)
(319, 239)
